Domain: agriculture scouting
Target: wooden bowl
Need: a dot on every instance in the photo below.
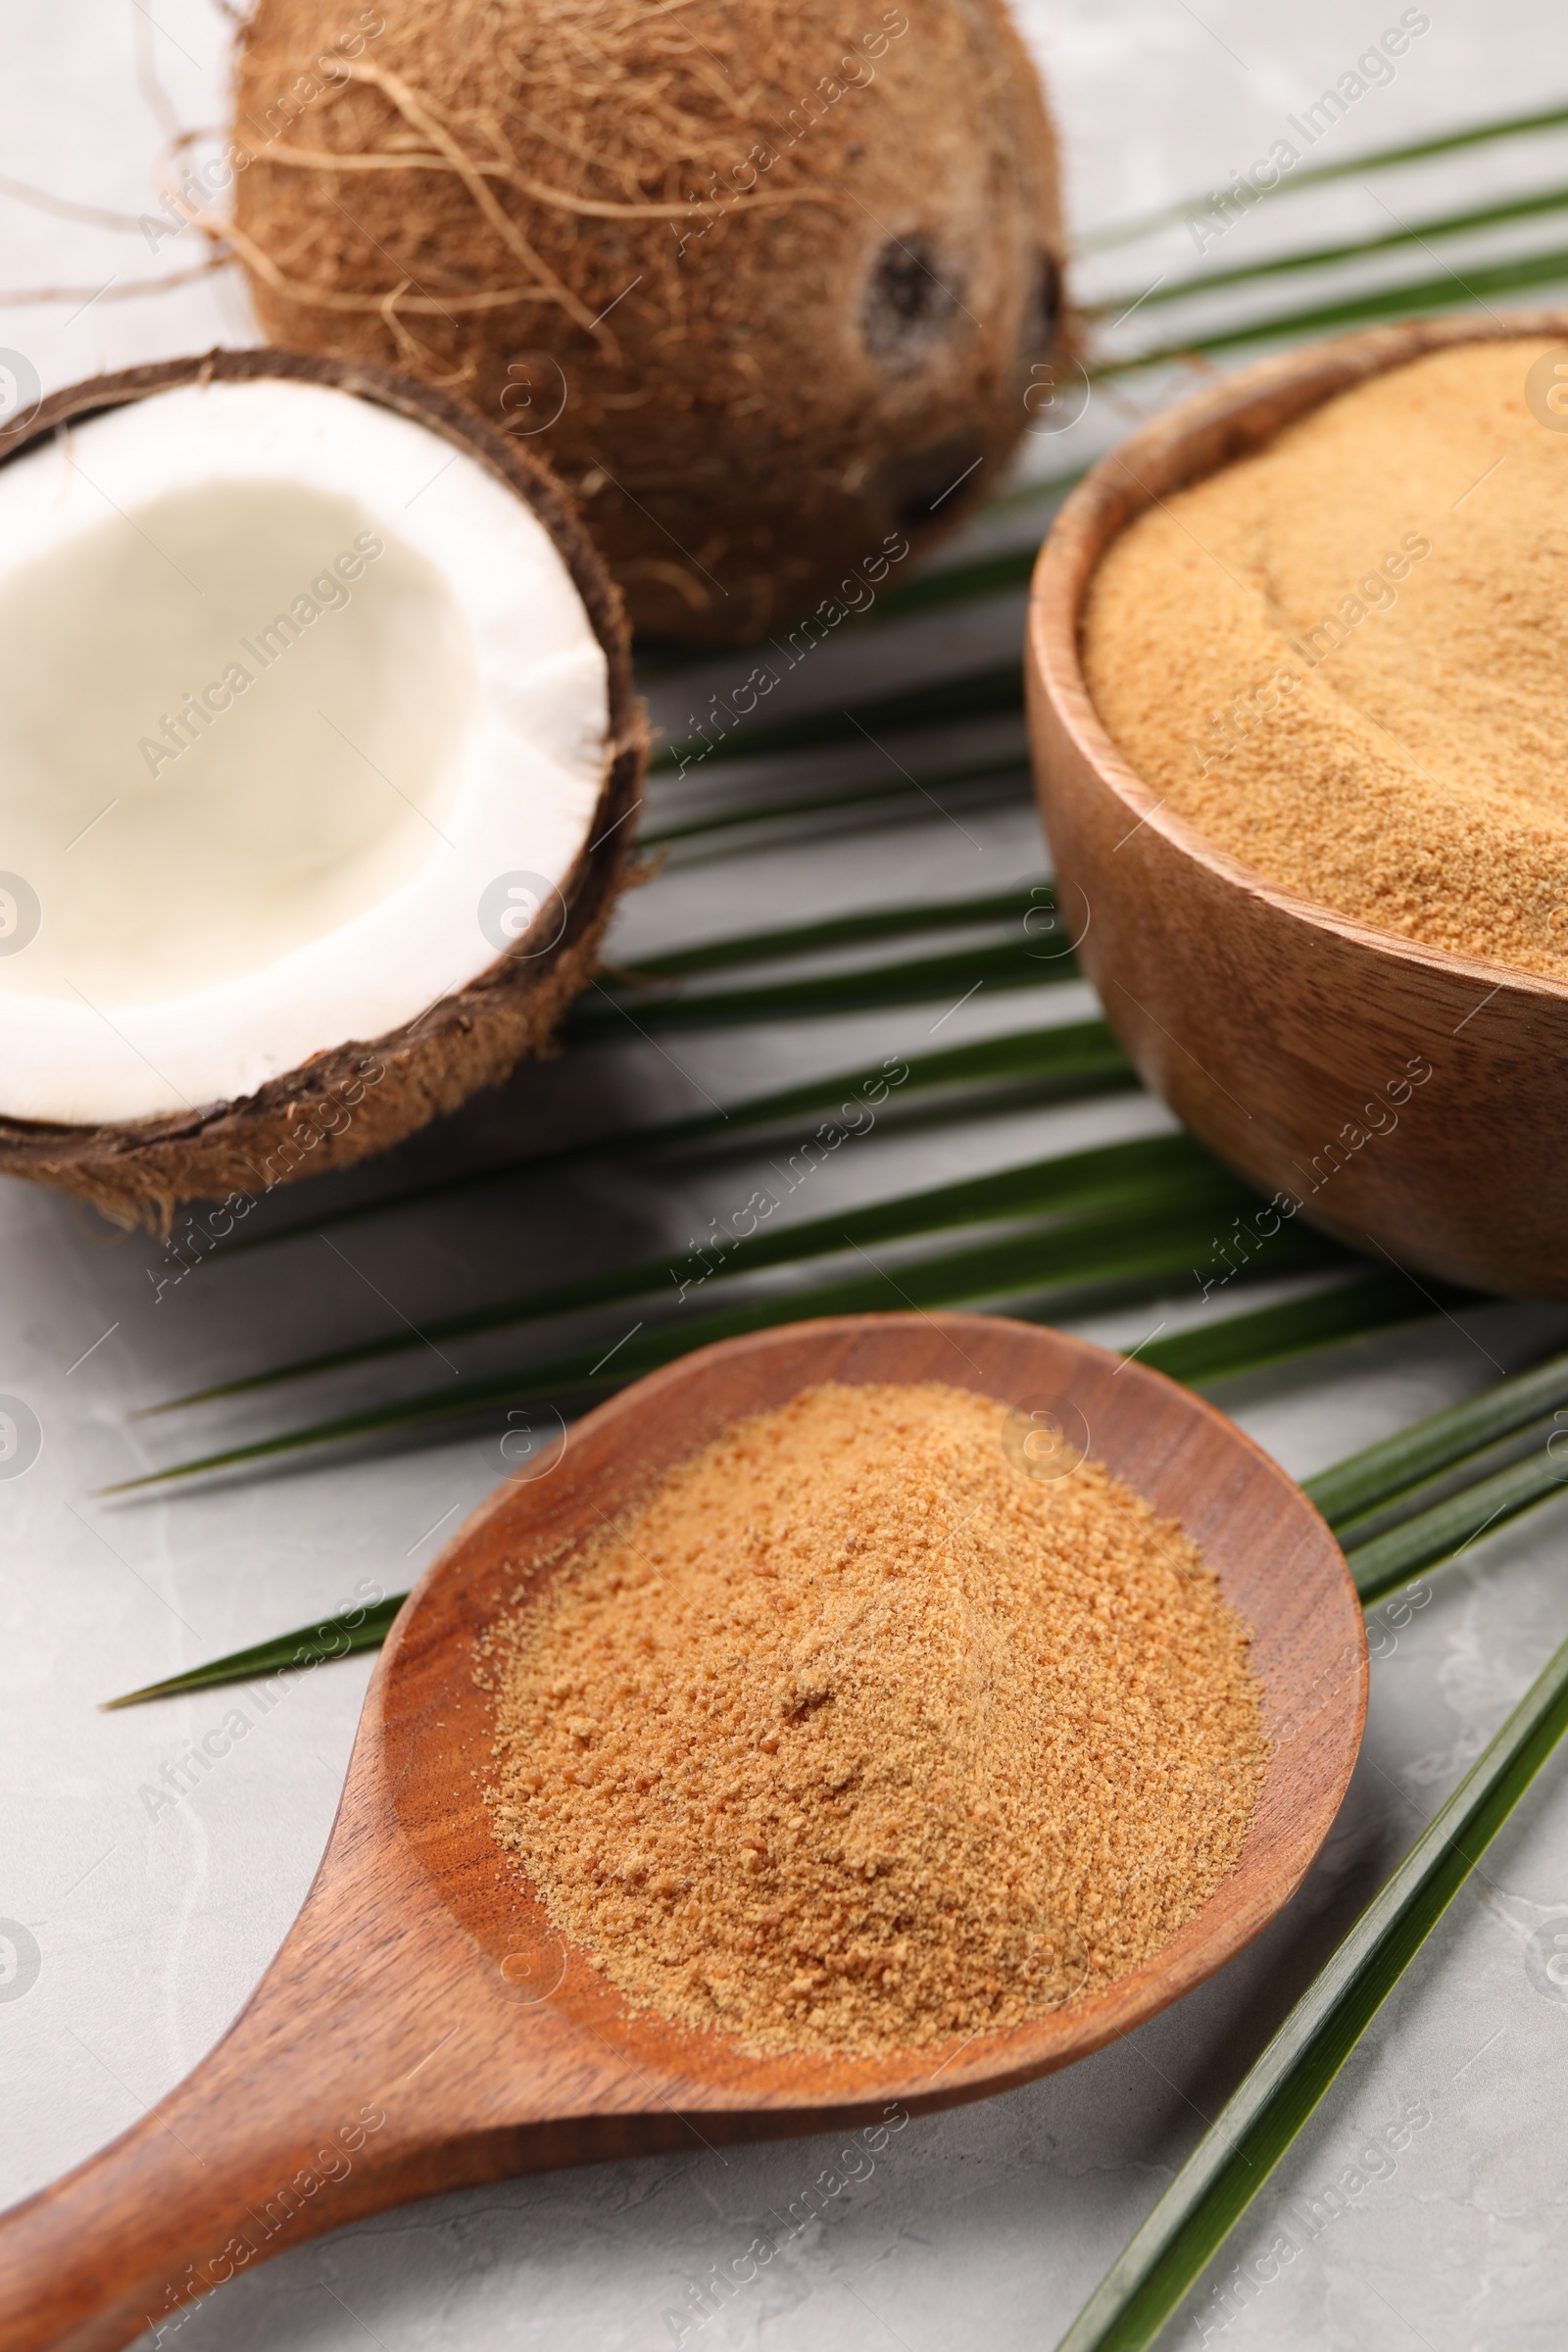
(425, 2027)
(1270, 1025)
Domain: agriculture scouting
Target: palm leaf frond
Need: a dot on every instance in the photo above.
(1003, 574)
(647, 997)
(1451, 291)
(1013, 964)
(901, 794)
(1450, 1527)
(861, 927)
(1236, 1343)
(1022, 1068)
(1379, 159)
(1144, 1176)
(284, 1653)
(1536, 1437)
(1355, 1486)
(976, 694)
(1258, 2124)
(1271, 1335)
(1320, 257)
(1092, 1254)
(1239, 1343)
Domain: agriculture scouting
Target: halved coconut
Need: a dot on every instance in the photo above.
(318, 756)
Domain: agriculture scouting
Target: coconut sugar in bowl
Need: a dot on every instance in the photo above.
(1305, 825)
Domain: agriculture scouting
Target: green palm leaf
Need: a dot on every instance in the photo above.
(1092, 1254)
(1258, 2124)
(1011, 964)
(1000, 575)
(859, 928)
(1453, 1526)
(1271, 1335)
(1379, 159)
(1449, 292)
(643, 999)
(1411, 1502)
(1029, 1066)
(1355, 1486)
(1142, 1177)
(286, 1653)
(1447, 225)
(1431, 1491)
(979, 694)
(899, 796)
(1238, 1343)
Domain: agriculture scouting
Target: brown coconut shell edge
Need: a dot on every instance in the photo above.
(365, 1094)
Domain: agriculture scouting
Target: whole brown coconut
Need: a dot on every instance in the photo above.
(766, 283)
(363, 1095)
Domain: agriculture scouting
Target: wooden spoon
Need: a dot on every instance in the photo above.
(424, 2029)
(1398, 1093)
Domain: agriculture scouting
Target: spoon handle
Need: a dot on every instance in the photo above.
(239, 2161)
(383, 2057)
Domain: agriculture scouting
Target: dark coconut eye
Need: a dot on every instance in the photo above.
(908, 304)
(1044, 314)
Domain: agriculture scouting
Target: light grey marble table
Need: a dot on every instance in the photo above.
(1437, 2168)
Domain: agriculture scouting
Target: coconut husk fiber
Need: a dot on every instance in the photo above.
(764, 283)
(363, 1095)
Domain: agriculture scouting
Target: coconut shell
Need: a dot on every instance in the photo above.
(365, 1094)
(765, 282)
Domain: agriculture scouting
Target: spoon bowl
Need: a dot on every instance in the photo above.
(425, 2027)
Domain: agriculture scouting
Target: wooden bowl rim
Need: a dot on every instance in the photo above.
(1000, 2058)
(1078, 542)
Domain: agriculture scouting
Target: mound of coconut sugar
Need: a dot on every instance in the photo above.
(857, 1734)
(1346, 659)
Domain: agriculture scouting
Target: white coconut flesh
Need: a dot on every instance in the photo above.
(287, 684)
